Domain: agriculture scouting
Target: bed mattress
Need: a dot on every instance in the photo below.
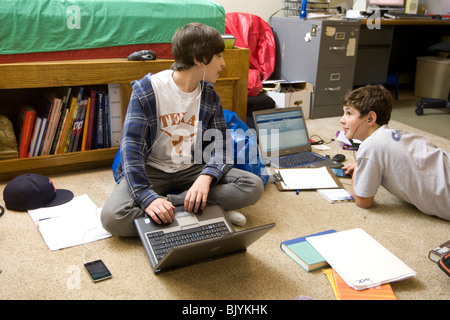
(74, 29)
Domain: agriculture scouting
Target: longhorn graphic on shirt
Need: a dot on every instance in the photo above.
(169, 121)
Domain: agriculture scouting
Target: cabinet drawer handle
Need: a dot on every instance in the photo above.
(336, 48)
(333, 89)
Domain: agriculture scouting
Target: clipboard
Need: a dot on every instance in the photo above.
(325, 181)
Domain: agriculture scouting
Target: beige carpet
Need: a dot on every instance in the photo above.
(29, 270)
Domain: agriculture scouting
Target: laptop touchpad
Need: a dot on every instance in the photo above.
(185, 218)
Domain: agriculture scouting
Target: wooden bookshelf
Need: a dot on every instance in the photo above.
(232, 87)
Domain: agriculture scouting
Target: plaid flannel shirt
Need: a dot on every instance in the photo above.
(139, 132)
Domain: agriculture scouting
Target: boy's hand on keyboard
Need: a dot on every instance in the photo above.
(197, 195)
(161, 211)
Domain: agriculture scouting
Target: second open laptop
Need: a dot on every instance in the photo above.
(192, 238)
(284, 141)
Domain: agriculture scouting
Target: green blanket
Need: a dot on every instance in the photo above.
(58, 25)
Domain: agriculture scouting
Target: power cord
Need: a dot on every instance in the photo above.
(320, 141)
(84, 235)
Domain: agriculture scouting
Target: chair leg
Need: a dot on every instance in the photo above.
(431, 103)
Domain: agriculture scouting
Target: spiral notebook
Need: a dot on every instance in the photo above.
(360, 260)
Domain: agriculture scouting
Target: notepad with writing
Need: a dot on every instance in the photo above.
(306, 179)
(74, 223)
(359, 259)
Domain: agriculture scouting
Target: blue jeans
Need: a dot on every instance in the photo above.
(235, 190)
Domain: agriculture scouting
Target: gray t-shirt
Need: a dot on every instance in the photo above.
(408, 166)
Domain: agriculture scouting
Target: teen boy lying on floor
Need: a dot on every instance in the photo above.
(407, 165)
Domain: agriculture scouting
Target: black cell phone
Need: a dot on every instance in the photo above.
(97, 270)
(340, 173)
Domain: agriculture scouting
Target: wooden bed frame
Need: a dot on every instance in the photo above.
(232, 88)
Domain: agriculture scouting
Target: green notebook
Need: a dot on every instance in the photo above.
(303, 253)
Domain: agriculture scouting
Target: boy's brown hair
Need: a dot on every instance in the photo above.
(195, 40)
(368, 98)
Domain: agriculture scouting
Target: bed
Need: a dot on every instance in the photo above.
(61, 43)
(47, 30)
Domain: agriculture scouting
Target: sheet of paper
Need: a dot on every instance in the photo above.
(74, 223)
(359, 259)
(307, 178)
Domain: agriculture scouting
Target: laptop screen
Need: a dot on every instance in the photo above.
(282, 131)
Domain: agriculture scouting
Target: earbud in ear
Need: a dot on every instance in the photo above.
(369, 120)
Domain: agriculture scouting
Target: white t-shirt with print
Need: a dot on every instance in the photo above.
(408, 166)
(178, 114)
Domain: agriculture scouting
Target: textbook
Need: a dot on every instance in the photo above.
(359, 259)
(303, 253)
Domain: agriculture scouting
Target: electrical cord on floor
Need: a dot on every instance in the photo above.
(320, 141)
(87, 249)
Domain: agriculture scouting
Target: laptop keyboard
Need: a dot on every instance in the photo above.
(299, 159)
(162, 242)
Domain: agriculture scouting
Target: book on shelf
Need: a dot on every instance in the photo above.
(229, 40)
(64, 105)
(52, 124)
(436, 253)
(40, 139)
(336, 195)
(303, 253)
(77, 127)
(70, 119)
(25, 125)
(107, 123)
(91, 120)
(85, 125)
(100, 123)
(40, 126)
(67, 122)
(36, 129)
(115, 103)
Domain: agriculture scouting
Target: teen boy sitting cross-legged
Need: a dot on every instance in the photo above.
(169, 114)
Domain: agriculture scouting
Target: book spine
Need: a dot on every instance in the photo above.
(86, 124)
(29, 116)
(64, 106)
(92, 115)
(79, 126)
(100, 119)
(115, 98)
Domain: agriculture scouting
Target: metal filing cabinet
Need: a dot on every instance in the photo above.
(321, 52)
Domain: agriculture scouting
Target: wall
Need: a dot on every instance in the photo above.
(263, 8)
(267, 8)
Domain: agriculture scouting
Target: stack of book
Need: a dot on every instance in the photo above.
(70, 119)
(357, 262)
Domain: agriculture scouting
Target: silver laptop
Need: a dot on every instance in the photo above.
(284, 141)
(192, 238)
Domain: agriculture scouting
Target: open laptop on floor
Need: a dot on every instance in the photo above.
(192, 238)
(284, 141)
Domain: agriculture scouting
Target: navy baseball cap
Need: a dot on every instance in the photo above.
(32, 191)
